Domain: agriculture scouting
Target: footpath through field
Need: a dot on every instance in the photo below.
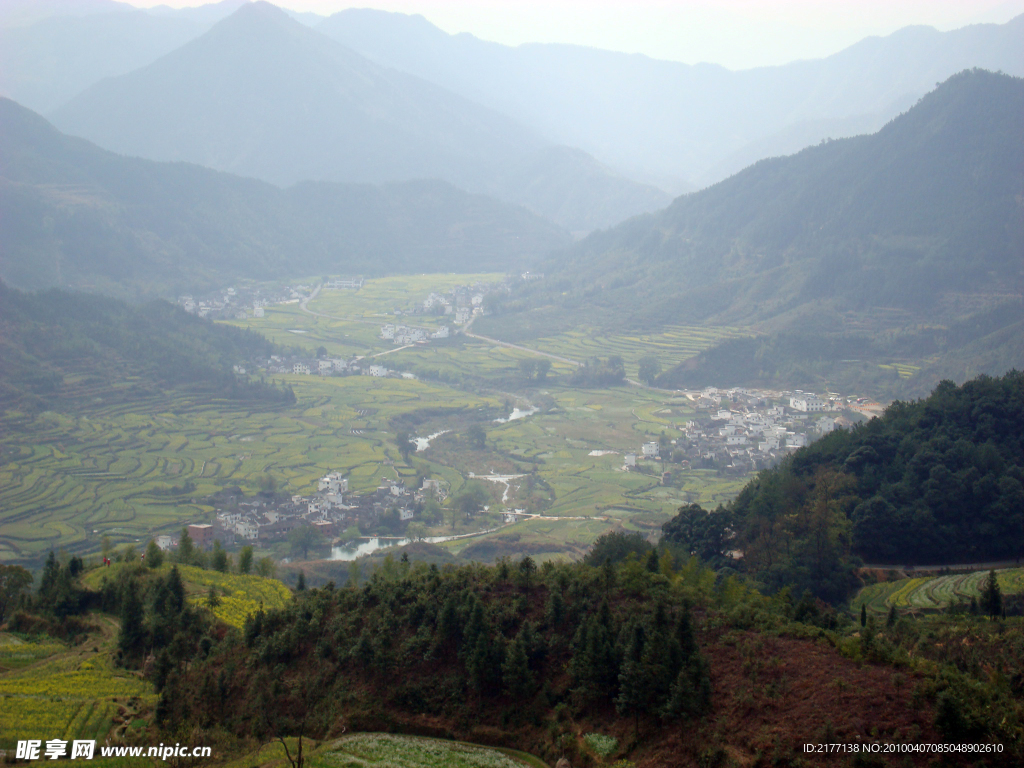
(488, 339)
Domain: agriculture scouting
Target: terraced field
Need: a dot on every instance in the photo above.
(670, 346)
(120, 470)
(134, 467)
(239, 595)
(931, 593)
(52, 691)
(364, 750)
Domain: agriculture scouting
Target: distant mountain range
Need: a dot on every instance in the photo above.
(74, 215)
(680, 125)
(908, 242)
(261, 95)
(566, 131)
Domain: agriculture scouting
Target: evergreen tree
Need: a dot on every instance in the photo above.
(154, 555)
(515, 672)
(245, 560)
(220, 558)
(527, 567)
(300, 585)
(186, 549)
(634, 682)
(132, 634)
(890, 620)
(992, 597)
(176, 588)
(863, 615)
(652, 561)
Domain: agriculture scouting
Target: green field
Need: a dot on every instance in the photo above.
(69, 480)
(382, 749)
(932, 593)
(670, 346)
(134, 467)
(239, 595)
(50, 691)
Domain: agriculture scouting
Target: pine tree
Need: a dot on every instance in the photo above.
(634, 683)
(132, 633)
(992, 597)
(300, 586)
(154, 555)
(220, 558)
(515, 672)
(245, 560)
(186, 549)
(863, 615)
(652, 561)
(890, 620)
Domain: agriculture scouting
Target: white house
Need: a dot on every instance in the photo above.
(477, 300)
(333, 482)
(257, 311)
(387, 331)
(630, 460)
(325, 366)
(405, 514)
(247, 529)
(440, 333)
(300, 368)
(650, 450)
(461, 316)
(807, 403)
(376, 370)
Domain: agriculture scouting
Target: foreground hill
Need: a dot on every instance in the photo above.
(903, 240)
(262, 95)
(937, 481)
(77, 215)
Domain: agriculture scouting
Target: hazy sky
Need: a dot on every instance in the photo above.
(735, 33)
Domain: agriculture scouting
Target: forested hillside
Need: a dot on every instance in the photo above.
(903, 245)
(75, 215)
(898, 219)
(59, 347)
(937, 481)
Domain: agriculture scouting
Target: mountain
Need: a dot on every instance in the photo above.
(45, 64)
(908, 239)
(262, 95)
(59, 347)
(24, 12)
(683, 125)
(76, 215)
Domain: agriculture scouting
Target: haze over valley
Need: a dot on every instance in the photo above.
(375, 394)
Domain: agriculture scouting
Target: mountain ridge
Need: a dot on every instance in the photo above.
(261, 95)
(78, 215)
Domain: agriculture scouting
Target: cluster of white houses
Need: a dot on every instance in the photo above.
(331, 510)
(404, 334)
(744, 430)
(357, 366)
(241, 303)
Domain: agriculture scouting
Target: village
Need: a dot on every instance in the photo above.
(332, 514)
(741, 431)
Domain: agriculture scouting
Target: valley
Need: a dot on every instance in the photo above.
(377, 394)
